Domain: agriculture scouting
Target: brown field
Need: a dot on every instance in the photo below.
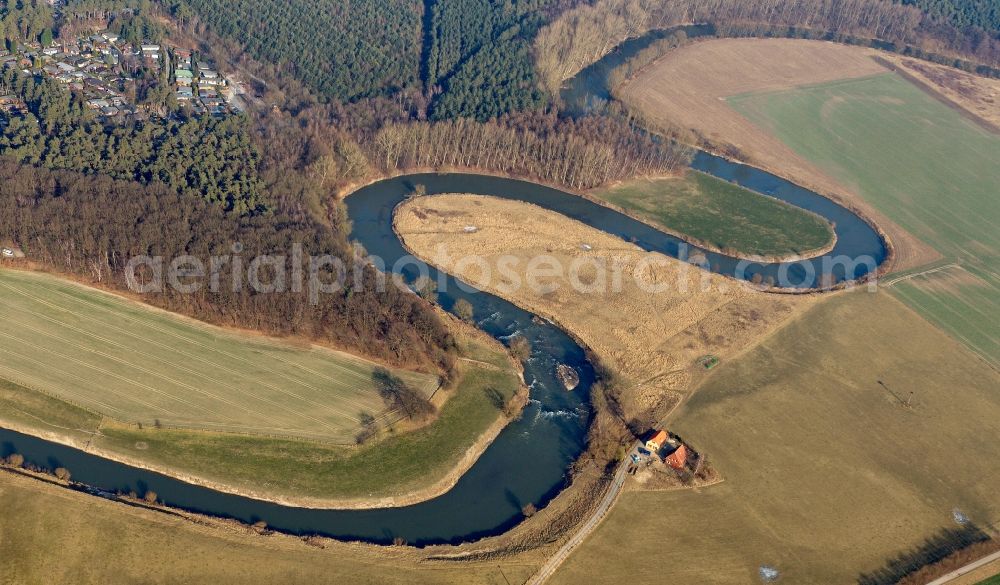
(688, 89)
(828, 474)
(50, 535)
(651, 339)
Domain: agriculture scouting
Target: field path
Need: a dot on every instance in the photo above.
(892, 281)
(966, 569)
(599, 513)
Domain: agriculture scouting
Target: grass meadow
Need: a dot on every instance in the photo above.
(827, 472)
(135, 365)
(721, 214)
(921, 164)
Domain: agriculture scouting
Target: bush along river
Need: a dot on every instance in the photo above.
(528, 461)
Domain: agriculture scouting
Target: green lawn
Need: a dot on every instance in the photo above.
(994, 580)
(924, 166)
(723, 215)
(139, 365)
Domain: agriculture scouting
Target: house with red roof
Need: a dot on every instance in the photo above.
(658, 440)
(678, 459)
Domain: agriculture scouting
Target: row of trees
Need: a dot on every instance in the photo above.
(645, 57)
(580, 154)
(91, 226)
(207, 156)
(584, 34)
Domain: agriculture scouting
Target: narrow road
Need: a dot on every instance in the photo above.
(966, 569)
(600, 512)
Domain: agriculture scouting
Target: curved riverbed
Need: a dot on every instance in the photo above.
(527, 463)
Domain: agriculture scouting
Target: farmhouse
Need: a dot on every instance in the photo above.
(658, 440)
(678, 459)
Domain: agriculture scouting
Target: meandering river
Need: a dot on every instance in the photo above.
(528, 461)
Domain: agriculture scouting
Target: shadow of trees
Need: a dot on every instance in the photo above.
(935, 548)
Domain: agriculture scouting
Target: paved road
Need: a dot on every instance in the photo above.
(966, 569)
(600, 512)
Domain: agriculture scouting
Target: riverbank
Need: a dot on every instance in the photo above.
(70, 529)
(541, 446)
(590, 195)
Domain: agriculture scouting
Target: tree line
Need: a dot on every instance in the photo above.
(583, 35)
(580, 154)
(90, 226)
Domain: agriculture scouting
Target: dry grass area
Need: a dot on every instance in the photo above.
(688, 89)
(650, 331)
(828, 473)
(50, 535)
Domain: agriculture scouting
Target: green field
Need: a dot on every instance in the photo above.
(921, 164)
(723, 215)
(995, 580)
(827, 473)
(139, 365)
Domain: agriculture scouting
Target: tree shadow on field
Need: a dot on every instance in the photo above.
(935, 548)
(495, 397)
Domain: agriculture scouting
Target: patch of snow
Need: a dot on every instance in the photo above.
(768, 574)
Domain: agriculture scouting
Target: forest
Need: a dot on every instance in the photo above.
(340, 50)
(23, 20)
(982, 14)
(90, 226)
(479, 61)
(482, 58)
(210, 157)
